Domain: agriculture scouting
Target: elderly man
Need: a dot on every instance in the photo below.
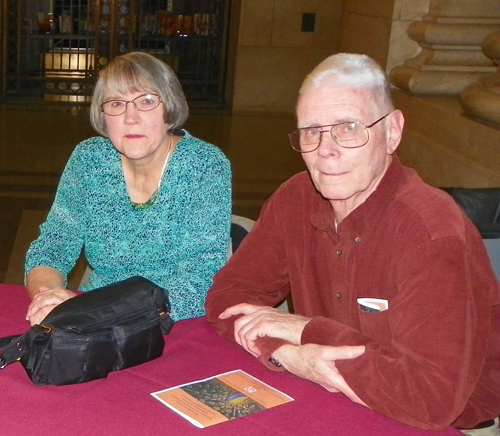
(396, 304)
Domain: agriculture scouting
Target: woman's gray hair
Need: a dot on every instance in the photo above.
(352, 70)
(137, 72)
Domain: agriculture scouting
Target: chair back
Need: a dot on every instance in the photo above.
(240, 227)
(493, 249)
(482, 205)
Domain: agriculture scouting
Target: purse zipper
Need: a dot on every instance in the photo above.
(122, 318)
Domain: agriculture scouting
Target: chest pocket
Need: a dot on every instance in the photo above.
(376, 325)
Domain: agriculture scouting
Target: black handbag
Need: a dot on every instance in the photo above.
(88, 336)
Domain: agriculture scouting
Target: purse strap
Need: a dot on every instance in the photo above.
(12, 348)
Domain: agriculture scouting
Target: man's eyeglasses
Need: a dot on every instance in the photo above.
(350, 134)
(144, 103)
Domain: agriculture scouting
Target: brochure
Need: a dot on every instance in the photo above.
(221, 398)
(373, 304)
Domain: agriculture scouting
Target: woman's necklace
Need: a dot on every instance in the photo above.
(154, 195)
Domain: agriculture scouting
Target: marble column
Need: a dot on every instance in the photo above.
(450, 38)
(482, 98)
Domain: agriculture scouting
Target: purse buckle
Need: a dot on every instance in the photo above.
(21, 348)
(47, 329)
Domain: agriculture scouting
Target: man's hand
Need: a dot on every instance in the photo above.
(258, 321)
(43, 303)
(317, 364)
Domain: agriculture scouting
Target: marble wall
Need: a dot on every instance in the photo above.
(366, 28)
(270, 53)
(445, 146)
(273, 55)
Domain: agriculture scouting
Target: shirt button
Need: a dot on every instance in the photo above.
(339, 296)
(339, 252)
(357, 239)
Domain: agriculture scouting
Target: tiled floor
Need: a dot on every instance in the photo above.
(36, 141)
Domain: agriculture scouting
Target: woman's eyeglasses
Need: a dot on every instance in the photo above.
(144, 103)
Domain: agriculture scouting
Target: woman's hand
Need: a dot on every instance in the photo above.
(45, 301)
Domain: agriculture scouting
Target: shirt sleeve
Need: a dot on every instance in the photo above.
(202, 245)
(236, 282)
(436, 331)
(61, 237)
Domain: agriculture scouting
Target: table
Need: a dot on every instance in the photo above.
(122, 404)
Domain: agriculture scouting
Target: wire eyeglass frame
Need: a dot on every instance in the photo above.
(295, 136)
(106, 107)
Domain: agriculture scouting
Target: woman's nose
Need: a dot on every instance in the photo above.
(131, 112)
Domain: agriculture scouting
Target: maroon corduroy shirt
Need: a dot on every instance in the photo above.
(433, 358)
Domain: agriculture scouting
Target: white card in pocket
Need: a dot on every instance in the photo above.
(373, 305)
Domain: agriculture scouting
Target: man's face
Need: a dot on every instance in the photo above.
(345, 176)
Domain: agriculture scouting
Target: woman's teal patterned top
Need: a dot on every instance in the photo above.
(179, 243)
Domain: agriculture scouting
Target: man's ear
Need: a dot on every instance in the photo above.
(395, 125)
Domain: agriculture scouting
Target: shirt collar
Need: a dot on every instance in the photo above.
(368, 214)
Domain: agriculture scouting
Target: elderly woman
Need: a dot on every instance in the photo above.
(145, 199)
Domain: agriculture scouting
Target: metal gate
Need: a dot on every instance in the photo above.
(53, 49)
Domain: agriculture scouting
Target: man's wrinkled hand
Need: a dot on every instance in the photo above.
(259, 321)
(317, 364)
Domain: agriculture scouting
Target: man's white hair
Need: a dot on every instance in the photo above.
(352, 70)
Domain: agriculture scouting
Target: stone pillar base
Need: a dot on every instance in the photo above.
(482, 99)
(450, 38)
(435, 81)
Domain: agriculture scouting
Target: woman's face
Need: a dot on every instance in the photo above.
(137, 135)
